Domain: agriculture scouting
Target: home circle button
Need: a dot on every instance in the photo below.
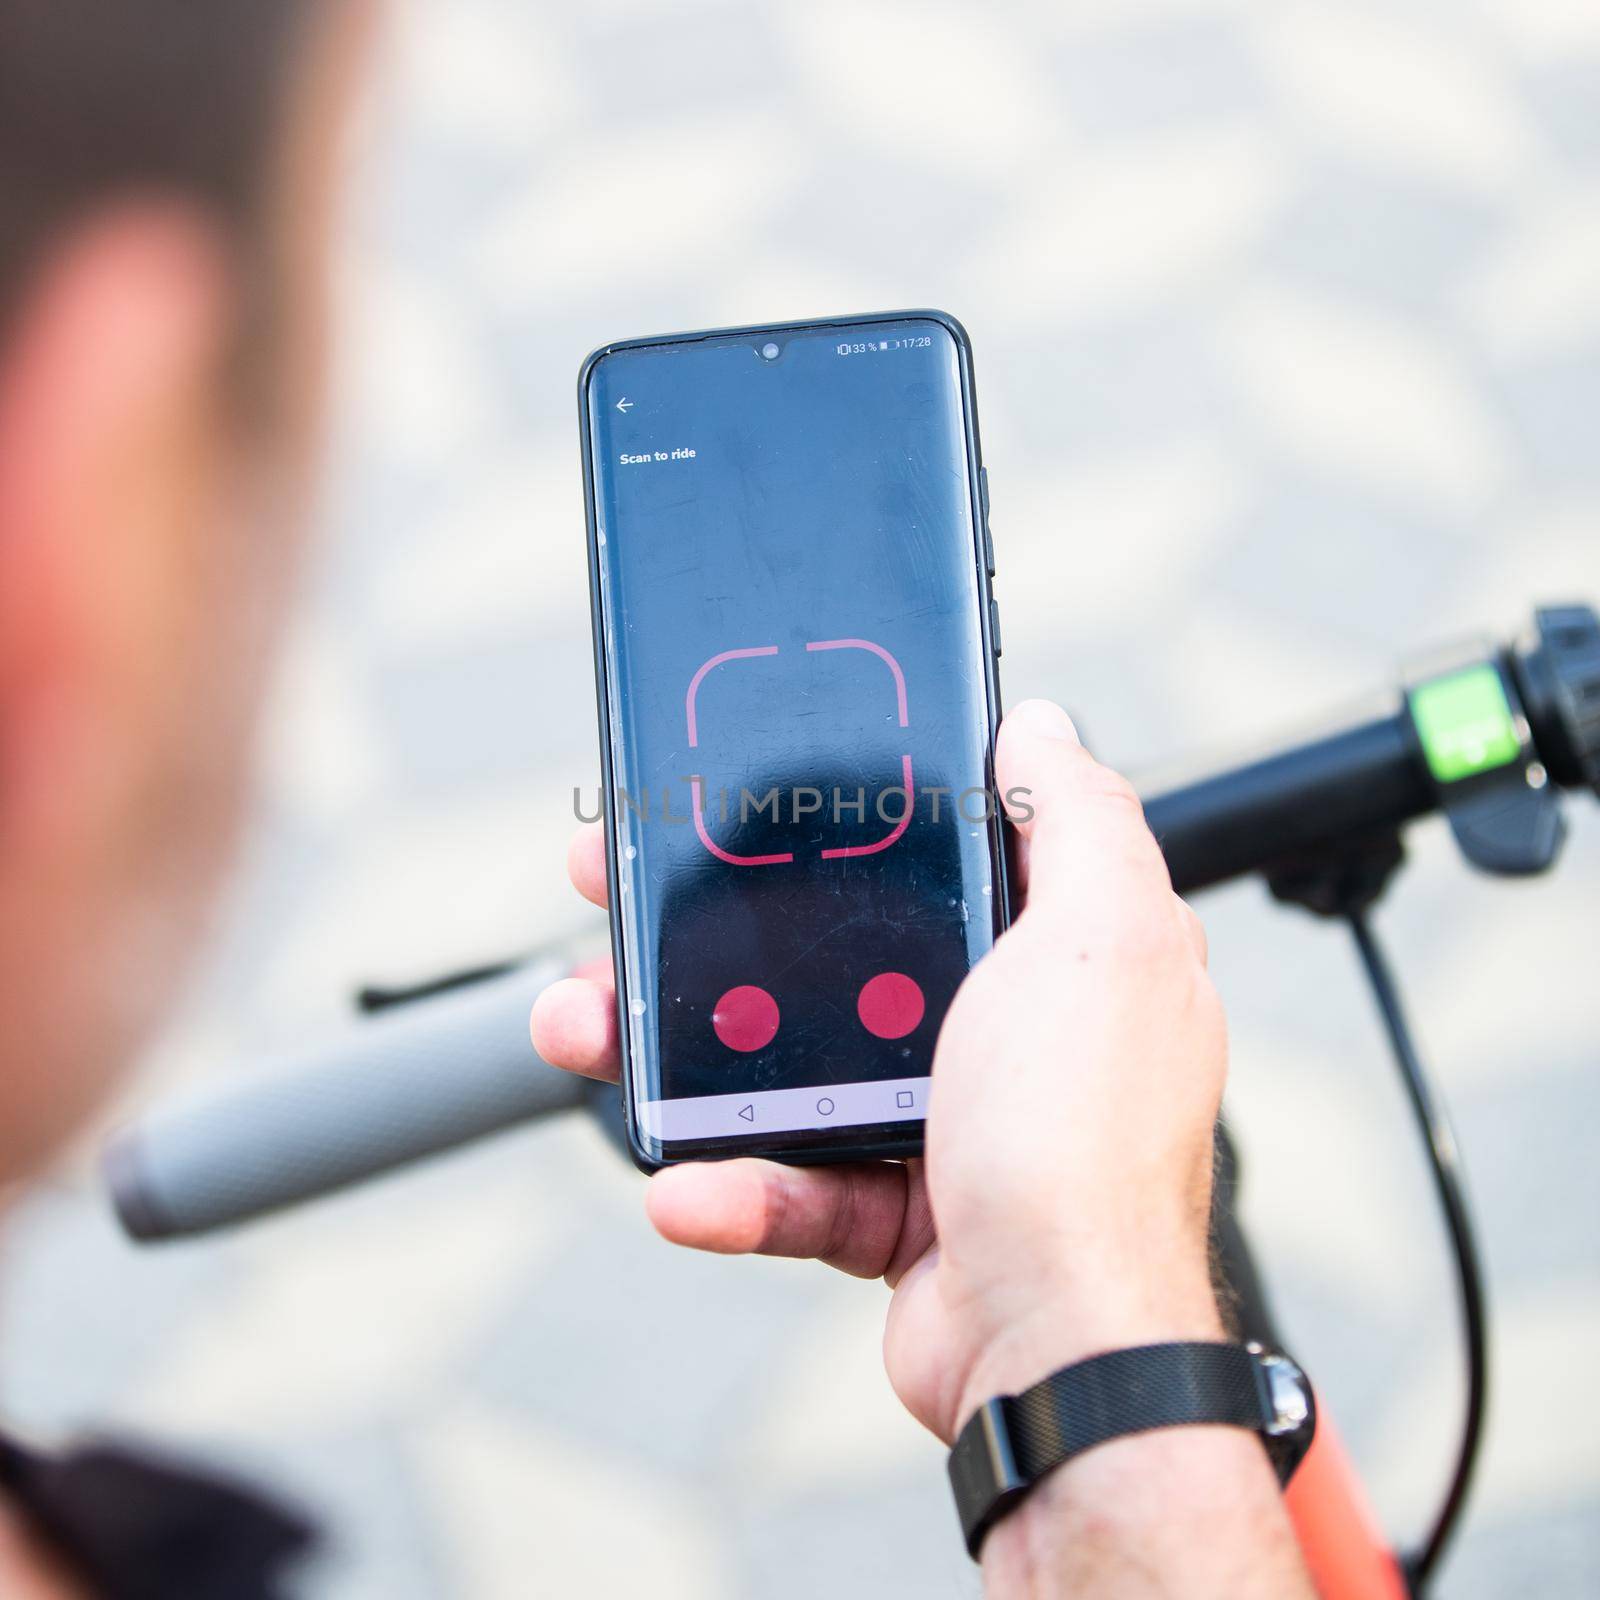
(824, 1107)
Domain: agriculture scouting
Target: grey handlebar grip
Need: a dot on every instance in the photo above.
(421, 1079)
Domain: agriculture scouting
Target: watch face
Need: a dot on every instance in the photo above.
(1294, 1411)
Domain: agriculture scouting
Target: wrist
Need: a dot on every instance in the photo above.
(1195, 1511)
(1053, 1331)
(1105, 1471)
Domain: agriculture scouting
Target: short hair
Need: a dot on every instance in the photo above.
(101, 98)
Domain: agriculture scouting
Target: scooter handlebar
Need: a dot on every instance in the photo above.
(393, 1090)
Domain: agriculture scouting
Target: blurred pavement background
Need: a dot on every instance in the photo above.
(1288, 333)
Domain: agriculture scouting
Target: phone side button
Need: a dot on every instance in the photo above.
(983, 506)
(994, 626)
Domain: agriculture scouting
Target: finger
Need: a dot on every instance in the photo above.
(849, 1216)
(574, 1027)
(1021, 864)
(917, 1231)
(586, 863)
(1088, 846)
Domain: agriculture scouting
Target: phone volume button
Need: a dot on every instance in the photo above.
(983, 507)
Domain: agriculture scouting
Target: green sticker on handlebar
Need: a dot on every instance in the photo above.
(1465, 723)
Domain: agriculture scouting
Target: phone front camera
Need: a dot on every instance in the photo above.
(770, 352)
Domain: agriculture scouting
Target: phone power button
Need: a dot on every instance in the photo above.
(994, 626)
(983, 507)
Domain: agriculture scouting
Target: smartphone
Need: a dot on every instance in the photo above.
(795, 652)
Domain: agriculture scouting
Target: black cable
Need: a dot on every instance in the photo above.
(1445, 1160)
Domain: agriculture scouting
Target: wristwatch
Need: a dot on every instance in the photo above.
(1012, 1441)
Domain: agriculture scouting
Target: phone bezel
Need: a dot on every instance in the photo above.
(805, 1146)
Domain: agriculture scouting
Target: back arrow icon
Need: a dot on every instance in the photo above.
(623, 405)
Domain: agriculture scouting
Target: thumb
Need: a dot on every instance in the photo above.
(1087, 844)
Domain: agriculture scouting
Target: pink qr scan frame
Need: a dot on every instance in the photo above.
(697, 784)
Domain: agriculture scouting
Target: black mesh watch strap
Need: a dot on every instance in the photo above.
(1012, 1441)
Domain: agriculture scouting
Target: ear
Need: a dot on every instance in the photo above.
(112, 444)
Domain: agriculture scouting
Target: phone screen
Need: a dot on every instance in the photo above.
(799, 707)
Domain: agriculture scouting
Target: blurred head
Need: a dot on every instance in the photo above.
(167, 174)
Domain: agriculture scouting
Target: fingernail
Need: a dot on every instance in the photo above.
(1043, 718)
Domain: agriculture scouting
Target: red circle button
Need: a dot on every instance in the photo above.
(890, 1005)
(746, 1018)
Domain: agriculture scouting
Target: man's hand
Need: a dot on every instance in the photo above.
(1064, 1204)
